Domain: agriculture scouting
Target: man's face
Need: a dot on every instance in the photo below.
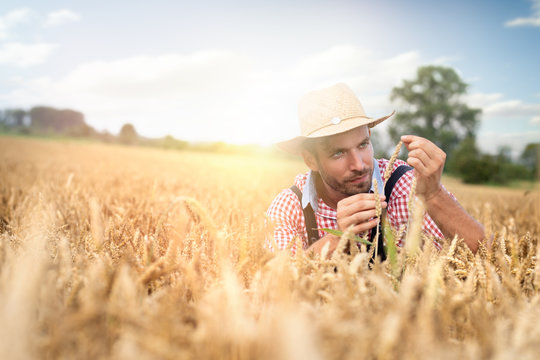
(345, 162)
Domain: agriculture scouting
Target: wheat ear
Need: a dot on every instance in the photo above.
(390, 165)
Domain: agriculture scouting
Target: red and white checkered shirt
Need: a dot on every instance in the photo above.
(287, 217)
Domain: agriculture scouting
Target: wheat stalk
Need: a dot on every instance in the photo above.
(156, 289)
(412, 196)
(390, 165)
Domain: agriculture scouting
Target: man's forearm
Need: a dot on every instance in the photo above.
(452, 219)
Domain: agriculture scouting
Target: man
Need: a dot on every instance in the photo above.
(338, 190)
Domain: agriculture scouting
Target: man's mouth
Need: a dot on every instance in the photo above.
(358, 179)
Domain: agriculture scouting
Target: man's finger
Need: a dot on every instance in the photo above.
(360, 228)
(417, 165)
(358, 197)
(359, 205)
(360, 215)
(364, 216)
(356, 203)
(407, 139)
(416, 142)
(421, 155)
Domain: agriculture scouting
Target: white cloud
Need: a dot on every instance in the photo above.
(445, 60)
(495, 106)
(215, 94)
(11, 19)
(364, 70)
(533, 20)
(491, 141)
(203, 95)
(399, 67)
(335, 62)
(60, 17)
(512, 109)
(157, 76)
(224, 95)
(480, 100)
(24, 55)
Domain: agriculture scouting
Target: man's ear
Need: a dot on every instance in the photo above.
(310, 160)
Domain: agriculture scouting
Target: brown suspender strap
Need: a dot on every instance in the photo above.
(309, 217)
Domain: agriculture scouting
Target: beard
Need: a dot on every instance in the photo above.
(346, 186)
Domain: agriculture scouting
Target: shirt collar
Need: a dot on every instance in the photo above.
(310, 196)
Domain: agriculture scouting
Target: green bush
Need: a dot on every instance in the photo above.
(475, 168)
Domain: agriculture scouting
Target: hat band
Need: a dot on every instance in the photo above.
(336, 123)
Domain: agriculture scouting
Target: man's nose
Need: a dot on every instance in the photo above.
(356, 162)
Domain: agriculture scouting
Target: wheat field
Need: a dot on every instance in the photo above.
(110, 252)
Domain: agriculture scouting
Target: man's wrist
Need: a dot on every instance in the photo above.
(434, 194)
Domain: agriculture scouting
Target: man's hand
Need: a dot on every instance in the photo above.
(359, 212)
(428, 163)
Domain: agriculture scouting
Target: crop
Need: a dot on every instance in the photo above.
(135, 253)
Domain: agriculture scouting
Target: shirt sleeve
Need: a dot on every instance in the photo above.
(285, 217)
(398, 212)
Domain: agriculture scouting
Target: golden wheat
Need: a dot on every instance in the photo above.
(390, 165)
(121, 253)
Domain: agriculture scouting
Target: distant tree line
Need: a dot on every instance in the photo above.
(49, 121)
(45, 120)
(473, 166)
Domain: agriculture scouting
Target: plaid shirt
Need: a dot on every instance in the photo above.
(286, 214)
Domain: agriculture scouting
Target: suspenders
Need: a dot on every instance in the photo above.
(396, 175)
(311, 222)
(309, 217)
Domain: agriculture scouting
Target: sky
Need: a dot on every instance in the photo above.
(234, 70)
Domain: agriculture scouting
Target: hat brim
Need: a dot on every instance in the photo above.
(294, 146)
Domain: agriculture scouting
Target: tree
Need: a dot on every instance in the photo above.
(468, 162)
(128, 134)
(530, 158)
(17, 116)
(432, 108)
(59, 121)
(169, 142)
(462, 156)
(13, 118)
(474, 167)
(506, 170)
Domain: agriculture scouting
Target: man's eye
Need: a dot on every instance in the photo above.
(363, 145)
(337, 154)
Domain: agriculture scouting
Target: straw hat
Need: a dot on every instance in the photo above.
(326, 112)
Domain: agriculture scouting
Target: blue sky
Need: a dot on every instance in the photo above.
(233, 71)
